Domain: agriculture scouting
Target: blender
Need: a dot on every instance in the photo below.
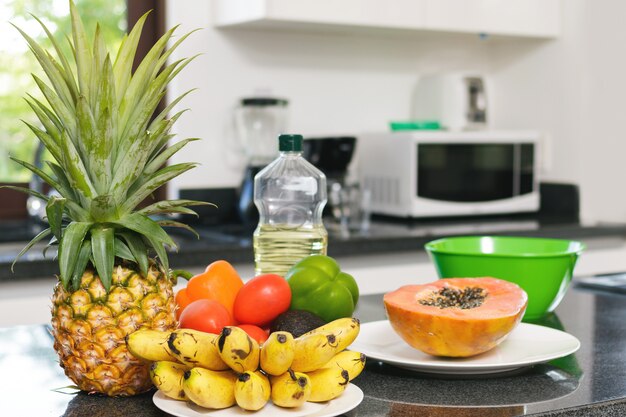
(258, 122)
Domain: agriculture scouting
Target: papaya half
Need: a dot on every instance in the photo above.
(456, 317)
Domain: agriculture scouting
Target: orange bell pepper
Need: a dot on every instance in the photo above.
(220, 282)
(182, 301)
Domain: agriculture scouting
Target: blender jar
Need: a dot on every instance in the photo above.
(258, 122)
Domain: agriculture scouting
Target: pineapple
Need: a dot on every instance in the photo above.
(108, 154)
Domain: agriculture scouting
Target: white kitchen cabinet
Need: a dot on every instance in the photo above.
(404, 14)
(516, 18)
(526, 18)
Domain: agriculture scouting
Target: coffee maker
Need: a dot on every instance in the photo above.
(258, 122)
(332, 155)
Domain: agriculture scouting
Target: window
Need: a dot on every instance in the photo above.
(17, 63)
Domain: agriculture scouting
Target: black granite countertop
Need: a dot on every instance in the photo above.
(591, 382)
(234, 242)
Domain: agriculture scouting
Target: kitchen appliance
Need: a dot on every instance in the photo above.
(258, 122)
(332, 155)
(434, 173)
(457, 101)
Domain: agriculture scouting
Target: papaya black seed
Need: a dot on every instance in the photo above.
(446, 297)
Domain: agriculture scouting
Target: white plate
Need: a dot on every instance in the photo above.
(528, 344)
(350, 398)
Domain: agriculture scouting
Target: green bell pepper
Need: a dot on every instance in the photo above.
(318, 285)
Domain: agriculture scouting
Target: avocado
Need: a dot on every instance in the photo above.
(297, 322)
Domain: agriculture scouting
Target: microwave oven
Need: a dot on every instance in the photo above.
(439, 173)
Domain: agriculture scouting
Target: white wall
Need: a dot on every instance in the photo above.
(540, 86)
(335, 83)
(604, 141)
(572, 88)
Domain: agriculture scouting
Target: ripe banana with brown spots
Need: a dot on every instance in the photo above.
(238, 350)
(291, 389)
(313, 351)
(277, 353)
(345, 330)
(348, 360)
(150, 345)
(168, 377)
(210, 389)
(327, 383)
(196, 348)
(252, 390)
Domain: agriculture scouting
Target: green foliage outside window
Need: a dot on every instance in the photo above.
(17, 63)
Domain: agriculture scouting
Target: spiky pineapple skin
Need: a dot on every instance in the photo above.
(89, 327)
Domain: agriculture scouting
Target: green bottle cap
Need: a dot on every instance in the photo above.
(290, 143)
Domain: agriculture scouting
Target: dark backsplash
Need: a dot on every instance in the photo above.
(557, 200)
(224, 211)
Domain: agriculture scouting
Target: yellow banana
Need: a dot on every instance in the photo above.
(351, 361)
(291, 389)
(168, 377)
(252, 390)
(210, 389)
(149, 345)
(277, 353)
(313, 351)
(328, 383)
(345, 330)
(195, 348)
(238, 350)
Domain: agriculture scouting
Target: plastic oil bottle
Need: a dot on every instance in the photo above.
(290, 194)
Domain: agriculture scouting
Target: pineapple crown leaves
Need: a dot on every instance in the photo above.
(109, 152)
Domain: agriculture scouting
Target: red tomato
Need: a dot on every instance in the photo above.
(254, 332)
(262, 299)
(182, 301)
(205, 315)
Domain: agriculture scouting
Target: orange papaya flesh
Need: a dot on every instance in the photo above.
(456, 317)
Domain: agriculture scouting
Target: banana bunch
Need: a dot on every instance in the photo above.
(219, 371)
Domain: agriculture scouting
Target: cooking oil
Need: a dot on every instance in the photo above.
(290, 194)
(278, 247)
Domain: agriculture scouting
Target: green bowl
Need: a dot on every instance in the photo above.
(542, 267)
